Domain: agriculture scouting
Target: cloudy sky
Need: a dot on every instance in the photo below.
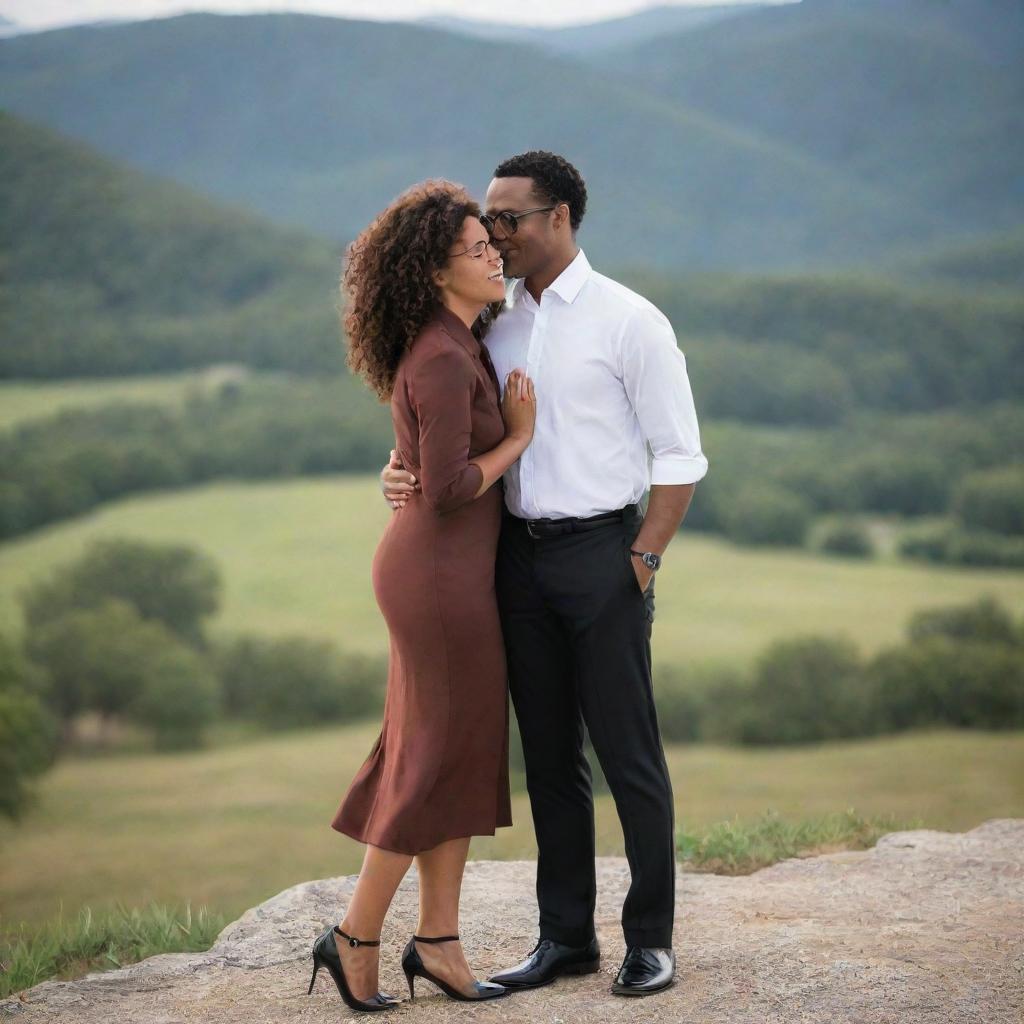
(50, 13)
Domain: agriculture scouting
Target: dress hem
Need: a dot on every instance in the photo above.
(361, 838)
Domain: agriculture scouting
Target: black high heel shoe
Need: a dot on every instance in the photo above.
(325, 954)
(413, 966)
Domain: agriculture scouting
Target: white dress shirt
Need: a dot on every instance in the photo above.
(614, 408)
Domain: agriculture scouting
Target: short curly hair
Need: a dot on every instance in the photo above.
(554, 178)
(388, 276)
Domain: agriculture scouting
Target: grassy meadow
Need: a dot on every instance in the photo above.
(234, 824)
(295, 557)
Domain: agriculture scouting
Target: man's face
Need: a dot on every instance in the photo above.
(531, 246)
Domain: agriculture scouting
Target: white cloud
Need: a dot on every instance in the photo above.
(52, 13)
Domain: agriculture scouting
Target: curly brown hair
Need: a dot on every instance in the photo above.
(388, 276)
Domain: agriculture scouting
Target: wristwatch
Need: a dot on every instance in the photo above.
(649, 558)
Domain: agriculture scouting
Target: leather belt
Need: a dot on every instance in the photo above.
(540, 528)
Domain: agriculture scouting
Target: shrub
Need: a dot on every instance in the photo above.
(926, 544)
(908, 483)
(806, 689)
(848, 537)
(766, 515)
(985, 621)
(955, 546)
(983, 548)
(939, 681)
(297, 681)
(705, 704)
(992, 500)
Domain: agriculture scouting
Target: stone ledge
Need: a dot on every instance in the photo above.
(927, 926)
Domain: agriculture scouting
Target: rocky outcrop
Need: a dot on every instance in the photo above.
(927, 926)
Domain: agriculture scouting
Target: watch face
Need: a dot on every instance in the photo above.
(651, 560)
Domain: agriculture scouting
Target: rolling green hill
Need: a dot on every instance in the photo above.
(913, 97)
(296, 557)
(109, 271)
(320, 121)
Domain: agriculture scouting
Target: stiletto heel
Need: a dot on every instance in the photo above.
(413, 966)
(325, 954)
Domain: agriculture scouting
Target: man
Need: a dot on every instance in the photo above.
(576, 564)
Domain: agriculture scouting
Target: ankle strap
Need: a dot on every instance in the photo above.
(356, 942)
(438, 938)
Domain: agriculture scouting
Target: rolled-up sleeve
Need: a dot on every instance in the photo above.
(441, 389)
(658, 387)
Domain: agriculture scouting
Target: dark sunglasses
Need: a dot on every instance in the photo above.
(509, 221)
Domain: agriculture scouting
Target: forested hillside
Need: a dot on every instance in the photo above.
(320, 121)
(110, 271)
(921, 99)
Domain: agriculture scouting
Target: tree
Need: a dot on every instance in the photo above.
(104, 658)
(28, 733)
(169, 583)
(179, 696)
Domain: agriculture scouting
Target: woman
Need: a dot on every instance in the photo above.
(417, 281)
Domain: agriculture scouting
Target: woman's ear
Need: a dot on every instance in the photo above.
(440, 278)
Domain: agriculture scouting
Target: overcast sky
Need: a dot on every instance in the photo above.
(50, 13)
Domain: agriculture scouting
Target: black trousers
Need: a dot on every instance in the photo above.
(577, 632)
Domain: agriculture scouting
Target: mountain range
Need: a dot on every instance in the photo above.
(594, 38)
(829, 133)
(112, 271)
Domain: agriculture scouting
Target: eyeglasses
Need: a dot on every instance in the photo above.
(476, 251)
(509, 221)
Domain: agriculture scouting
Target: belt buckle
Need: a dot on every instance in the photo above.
(529, 530)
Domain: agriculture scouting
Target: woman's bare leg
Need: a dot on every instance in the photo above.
(441, 870)
(379, 877)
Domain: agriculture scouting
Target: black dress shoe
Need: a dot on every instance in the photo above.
(645, 970)
(549, 960)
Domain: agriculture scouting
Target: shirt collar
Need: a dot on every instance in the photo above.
(567, 285)
(455, 327)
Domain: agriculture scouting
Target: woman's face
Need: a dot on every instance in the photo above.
(473, 272)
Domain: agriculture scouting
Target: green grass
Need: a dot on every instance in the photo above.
(739, 847)
(231, 826)
(296, 560)
(91, 942)
(27, 400)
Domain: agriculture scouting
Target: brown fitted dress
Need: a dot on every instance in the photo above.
(439, 768)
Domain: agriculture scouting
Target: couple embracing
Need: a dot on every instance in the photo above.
(517, 559)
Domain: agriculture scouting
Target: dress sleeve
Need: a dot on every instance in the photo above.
(441, 389)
